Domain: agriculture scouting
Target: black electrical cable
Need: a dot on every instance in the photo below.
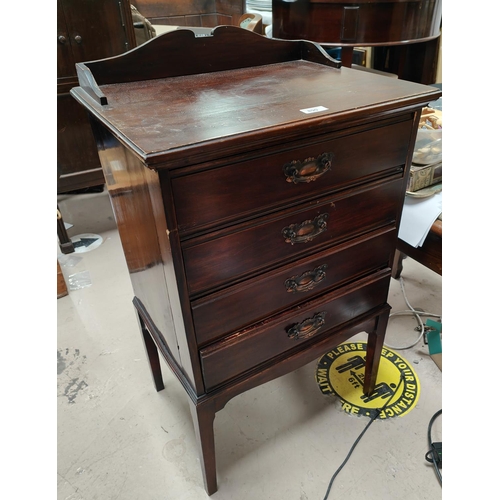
(432, 455)
(372, 419)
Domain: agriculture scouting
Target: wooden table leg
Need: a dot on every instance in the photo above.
(373, 352)
(346, 56)
(203, 419)
(153, 355)
(65, 243)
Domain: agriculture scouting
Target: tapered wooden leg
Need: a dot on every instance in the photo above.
(203, 419)
(153, 356)
(397, 266)
(373, 353)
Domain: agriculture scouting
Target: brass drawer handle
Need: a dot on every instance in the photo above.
(307, 328)
(307, 280)
(305, 231)
(308, 170)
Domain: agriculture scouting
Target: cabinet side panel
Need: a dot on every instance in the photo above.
(128, 185)
(165, 231)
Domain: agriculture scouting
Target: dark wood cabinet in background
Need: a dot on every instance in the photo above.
(86, 30)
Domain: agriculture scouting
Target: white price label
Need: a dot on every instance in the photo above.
(316, 109)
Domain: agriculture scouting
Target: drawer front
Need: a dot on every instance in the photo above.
(228, 193)
(245, 350)
(288, 236)
(238, 306)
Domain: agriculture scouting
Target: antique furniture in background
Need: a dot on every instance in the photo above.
(86, 30)
(198, 13)
(406, 32)
(430, 254)
(257, 188)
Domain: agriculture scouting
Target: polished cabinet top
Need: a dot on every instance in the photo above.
(163, 113)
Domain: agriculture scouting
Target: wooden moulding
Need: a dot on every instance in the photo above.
(199, 54)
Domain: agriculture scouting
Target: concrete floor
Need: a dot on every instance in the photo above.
(120, 439)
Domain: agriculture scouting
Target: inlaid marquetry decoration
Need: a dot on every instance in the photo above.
(340, 373)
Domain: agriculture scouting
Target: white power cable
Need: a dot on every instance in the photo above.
(411, 312)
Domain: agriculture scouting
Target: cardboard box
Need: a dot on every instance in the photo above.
(62, 289)
(422, 176)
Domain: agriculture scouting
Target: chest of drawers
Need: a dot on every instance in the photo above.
(257, 187)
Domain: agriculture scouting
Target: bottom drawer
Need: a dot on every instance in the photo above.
(246, 349)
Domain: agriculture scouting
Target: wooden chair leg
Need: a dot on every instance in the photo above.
(373, 353)
(203, 419)
(153, 355)
(65, 243)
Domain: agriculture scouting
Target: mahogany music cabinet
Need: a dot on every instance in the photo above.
(257, 187)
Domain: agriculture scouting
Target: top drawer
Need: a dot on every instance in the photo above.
(224, 194)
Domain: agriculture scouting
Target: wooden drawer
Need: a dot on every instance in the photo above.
(228, 193)
(261, 297)
(245, 350)
(210, 263)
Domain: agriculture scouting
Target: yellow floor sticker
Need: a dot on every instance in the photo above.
(341, 372)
